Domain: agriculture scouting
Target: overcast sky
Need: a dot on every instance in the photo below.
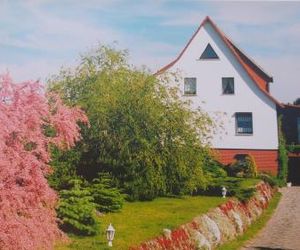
(37, 37)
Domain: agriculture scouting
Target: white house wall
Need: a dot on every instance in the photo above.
(247, 97)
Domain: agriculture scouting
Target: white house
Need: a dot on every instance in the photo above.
(221, 79)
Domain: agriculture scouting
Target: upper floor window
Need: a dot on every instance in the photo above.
(244, 123)
(228, 85)
(209, 53)
(190, 86)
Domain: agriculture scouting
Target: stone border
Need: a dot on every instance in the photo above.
(219, 225)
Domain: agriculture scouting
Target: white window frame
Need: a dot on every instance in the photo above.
(240, 130)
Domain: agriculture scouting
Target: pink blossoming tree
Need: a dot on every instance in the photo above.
(27, 203)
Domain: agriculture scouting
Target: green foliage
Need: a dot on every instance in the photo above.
(106, 197)
(77, 211)
(64, 168)
(243, 168)
(271, 180)
(143, 220)
(244, 194)
(239, 187)
(251, 171)
(141, 131)
(215, 169)
(293, 148)
(283, 156)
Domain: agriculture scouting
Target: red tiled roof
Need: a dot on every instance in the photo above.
(255, 72)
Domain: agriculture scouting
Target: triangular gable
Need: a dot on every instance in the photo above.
(255, 72)
(209, 53)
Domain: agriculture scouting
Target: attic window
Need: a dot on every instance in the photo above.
(209, 53)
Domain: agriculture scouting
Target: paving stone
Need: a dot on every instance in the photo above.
(282, 232)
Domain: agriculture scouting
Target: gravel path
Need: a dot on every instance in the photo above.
(283, 230)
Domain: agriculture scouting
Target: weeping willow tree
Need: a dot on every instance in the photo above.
(141, 132)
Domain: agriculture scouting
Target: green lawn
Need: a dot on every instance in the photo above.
(139, 221)
(254, 228)
(245, 183)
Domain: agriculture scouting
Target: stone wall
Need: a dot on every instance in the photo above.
(219, 225)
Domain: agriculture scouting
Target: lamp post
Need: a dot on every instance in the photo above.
(224, 192)
(110, 234)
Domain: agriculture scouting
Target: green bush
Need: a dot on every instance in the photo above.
(64, 168)
(245, 168)
(244, 194)
(233, 186)
(271, 180)
(76, 211)
(215, 169)
(106, 197)
(141, 132)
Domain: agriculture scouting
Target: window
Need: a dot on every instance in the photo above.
(209, 53)
(298, 127)
(190, 86)
(244, 124)
(228, 85)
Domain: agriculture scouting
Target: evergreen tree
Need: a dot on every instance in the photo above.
(77, 210)
(106, 197)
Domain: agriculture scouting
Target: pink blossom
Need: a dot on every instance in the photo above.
(27, 203)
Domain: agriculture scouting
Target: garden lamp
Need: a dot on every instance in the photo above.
(110, 234)
(224, 192)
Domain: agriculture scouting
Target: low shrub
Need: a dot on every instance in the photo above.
(271, 180)
(106, 197)
(76, 211)
(244, 167)
(244, 194)
(215, 169)
(233, 186)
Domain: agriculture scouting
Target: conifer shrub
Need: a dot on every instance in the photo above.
(107, 198)
(63, 163)
(271, 180)
(244, 167)
(233, 186)
(76, 211)
(215, 169)
(251, 171)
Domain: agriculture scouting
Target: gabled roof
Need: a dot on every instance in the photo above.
(255, 72)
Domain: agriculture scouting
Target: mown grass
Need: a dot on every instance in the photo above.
(251, 182)
(139, 221)
(254, 228)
